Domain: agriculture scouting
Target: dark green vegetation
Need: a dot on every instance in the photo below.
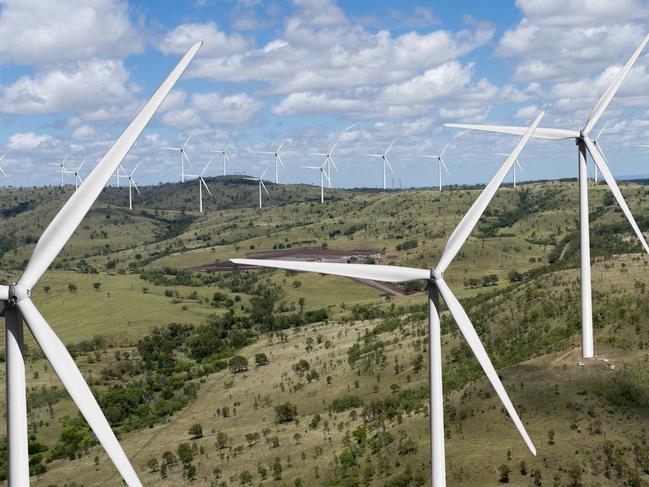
(279, 378)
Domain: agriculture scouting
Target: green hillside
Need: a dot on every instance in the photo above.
(154, 317)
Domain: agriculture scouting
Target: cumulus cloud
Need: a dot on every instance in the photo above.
(213, 107)
(217, 43)
(28, 141)
(56, 31)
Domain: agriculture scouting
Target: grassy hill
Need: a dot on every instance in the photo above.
(361, 406)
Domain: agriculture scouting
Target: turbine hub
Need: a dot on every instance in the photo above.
(17, 293)
(435, 274)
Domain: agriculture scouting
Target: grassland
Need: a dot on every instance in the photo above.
(530, 326)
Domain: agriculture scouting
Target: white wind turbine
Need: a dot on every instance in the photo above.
(18, 306)
(386, 162)
(260, 183)
(278, 159)
(226, 157)
(585, 143)
(131, 183)
(323, 176)
(436, 285)
(183, 157)
(599, 146)
(1, 169)
(440, 162)
(517, 163)
(62, 169)
(201, 184)
(329, 161)
(77, 176)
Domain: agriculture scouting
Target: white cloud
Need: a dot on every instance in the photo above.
(206, 108)
(97, 86)
(54, 31)
(217, 43)
(28, 141)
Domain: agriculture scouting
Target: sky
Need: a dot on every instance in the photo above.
(75, 72)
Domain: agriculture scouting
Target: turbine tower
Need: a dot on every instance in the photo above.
(386, 162)
(201, 184)
(260, 183)
(278, 159)
(323, 176)
(18, 306)
(585, 144)
(329, 161)
(436, 286)
(183, 157)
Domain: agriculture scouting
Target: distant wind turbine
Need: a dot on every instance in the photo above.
(436, 286)
(323, 176)
(585, 144)
(77, 176)
(201, 184)
(226, 157)
(440, 161)
(260, 182)
(386, 162)
(1, 169)
(183, 157)
(62, 169)
(517, 163)
(131, 183)
(329, 161)
(278, 159)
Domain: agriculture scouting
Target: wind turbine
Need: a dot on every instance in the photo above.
(1, 169)
(183, 157)
(201, 183)
(77, 177)
(436, 286)
(131, 183)
(18, 306)
(440, 162)
(328, 162)
(585, 143)
(226, 157)
(323, 175)
(517, 163)
(386, 162)
(599, 146)
(260, 183)
(62, 169)
(278, 159)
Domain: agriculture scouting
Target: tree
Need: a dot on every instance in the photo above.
(238, 364)
(152, 465)
(515, 276)
(286, 412)
(277, 469)
(72, 287)
(190, 472)
(301, 367)
(96, 285)
(297, 438)
(185, 453)
(261, 359)
(245, 477)
(551, 437)
(196, 431)
(222, 440)
(503, 473)
(574, 473)
(46, 289)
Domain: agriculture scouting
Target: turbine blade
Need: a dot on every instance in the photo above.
(429, 157)
(264, 186)
(610, 180)
(69, 373)
(280, 161)
(205, 186)
(4, 293)
(186, 142)
(474, 342)
(135, 186)
(3, 172)
(468, 222)
(445, 147)
(205, 168)
(281, 145)
(601, 131)
(227, 146)
(69, 217)
(3, 155)
(608, 95)
(263, 173)
(389, 147)
(519, 165)
(170, 148)
(373, 155)
(388, 163)
(383, 273)
(539, 133)
(135, 168)
(444, 165)
(331, 159)
(184, 153)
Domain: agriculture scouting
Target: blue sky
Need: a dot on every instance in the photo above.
(74, 72)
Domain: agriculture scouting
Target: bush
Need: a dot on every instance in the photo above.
(286, 412)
